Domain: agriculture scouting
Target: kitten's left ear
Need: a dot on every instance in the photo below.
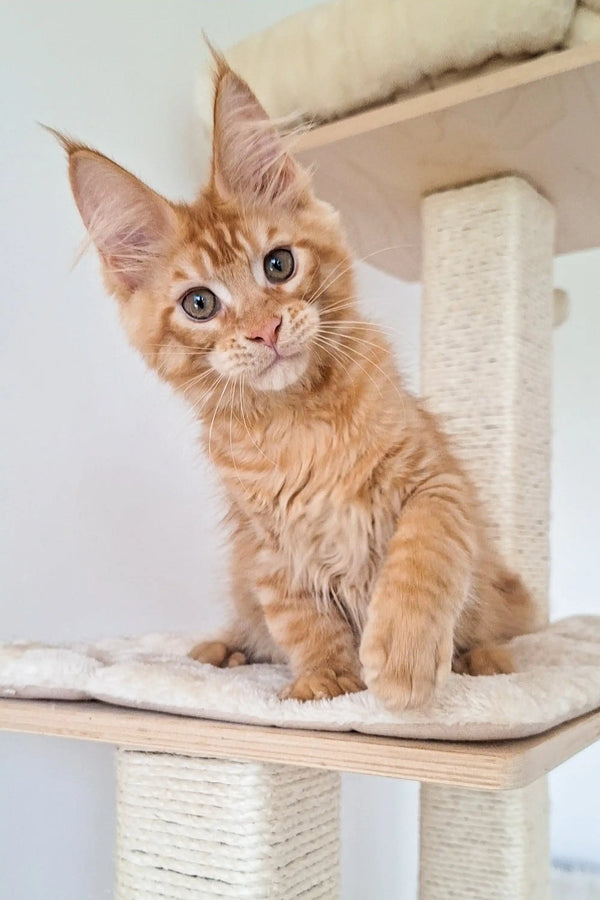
(249, 158)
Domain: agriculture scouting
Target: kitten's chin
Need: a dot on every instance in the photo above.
(282, 373)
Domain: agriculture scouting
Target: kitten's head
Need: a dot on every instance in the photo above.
(237, 288)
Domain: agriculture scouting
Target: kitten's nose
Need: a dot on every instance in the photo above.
(267, 333)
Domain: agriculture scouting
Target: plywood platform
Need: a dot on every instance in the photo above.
(485, 766)
(539, 118)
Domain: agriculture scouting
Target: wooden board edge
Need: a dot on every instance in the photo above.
(501, 765)
(545, 752)
(471, 87)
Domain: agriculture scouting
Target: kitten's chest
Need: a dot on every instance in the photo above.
(323, 515)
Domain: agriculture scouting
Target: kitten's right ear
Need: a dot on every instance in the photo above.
(128, 222)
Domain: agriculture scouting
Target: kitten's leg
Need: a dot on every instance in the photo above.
(320, 646)
(407, 645)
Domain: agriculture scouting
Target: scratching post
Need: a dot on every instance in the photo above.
(486, 365)
(484, 846)
(190, 828)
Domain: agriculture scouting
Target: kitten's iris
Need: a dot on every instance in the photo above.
(200, 304)
(279, 265)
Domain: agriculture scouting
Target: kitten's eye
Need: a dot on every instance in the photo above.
(279, 265)
(200, 304)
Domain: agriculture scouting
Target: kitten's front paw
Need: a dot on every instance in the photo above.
(322, 684)
(405, 658)
(218, 653)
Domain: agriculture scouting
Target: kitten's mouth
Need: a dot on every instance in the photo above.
(282, 370)
(278, 359)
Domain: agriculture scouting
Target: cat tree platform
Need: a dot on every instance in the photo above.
(481, 765)
(540, 118)
(485, 254)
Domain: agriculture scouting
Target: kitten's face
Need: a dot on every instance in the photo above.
(235, 289)
(239, 295)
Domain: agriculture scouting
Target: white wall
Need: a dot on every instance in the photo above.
(107, 510)
(575, 534)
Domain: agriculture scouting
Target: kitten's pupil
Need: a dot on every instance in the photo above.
(200, 304)
(279, 264)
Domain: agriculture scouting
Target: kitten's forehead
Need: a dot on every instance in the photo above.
(221, 236)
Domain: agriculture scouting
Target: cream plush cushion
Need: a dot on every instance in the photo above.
(585, 26)
(558, 678)
(343, 55)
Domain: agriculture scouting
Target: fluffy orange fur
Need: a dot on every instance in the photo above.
(359, 554)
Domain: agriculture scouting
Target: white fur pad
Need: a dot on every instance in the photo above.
(558, 678)
(343, 55)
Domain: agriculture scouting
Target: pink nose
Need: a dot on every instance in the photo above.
(267, 333)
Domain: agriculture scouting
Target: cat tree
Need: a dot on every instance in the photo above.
(208, 809)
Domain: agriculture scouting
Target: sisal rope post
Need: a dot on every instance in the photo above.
(486, 369)
(204, 829)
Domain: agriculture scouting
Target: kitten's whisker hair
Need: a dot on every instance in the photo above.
(335, 348)
(339, 324)
(260, 450)
(195, 380)
(227, 383)
(358, 339)
(350, 336)
(343, 358)
(206, 395)
(184, 348)
(377, 366)
(342, 303)
(322, 289)
(233, 460)
(362, 323)
(348, 303)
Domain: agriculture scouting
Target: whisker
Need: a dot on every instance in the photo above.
(369, 359)
(352, 337)
(202, 400)
(210, 430)
(233, 460)
(343, 303)
(323, 287)
(260, 450)
(195, 380)
(332, 328)
(335, 326)
(378, 367)
(325, 343)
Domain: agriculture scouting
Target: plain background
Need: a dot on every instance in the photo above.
(108, 511)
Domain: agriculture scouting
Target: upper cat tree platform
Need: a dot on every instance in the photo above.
(539, 118)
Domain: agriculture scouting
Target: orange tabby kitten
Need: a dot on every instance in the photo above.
(358, 552)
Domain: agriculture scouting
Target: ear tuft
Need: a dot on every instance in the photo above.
(68, 144)
(249, 158)
(129, 224)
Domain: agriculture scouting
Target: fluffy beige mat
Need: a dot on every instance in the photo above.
(558, 679)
